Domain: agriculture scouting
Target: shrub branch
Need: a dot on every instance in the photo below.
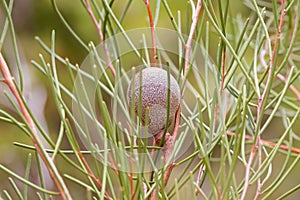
(9, 81)
(256, 147)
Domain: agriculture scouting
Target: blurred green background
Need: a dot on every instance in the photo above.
(37, 18)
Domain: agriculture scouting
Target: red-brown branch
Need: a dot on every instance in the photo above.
(188, 44)
(169, 141)
(199, 176)
(172, 142)
(100, 34)
(9, 81)
(256, 146)
(147, 2)
(268, 143)
(168, 146)
(91, 174)
(279, 76)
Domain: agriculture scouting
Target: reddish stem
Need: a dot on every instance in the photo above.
(147, 2)
(172, 142)
(168, 146)
(199, 176)
(268, 143)
(91, 174)
(9, 80)
(279, 76)
(190, 37)
(170, 139)
(261, 102)
(99, 31)
(292, 87)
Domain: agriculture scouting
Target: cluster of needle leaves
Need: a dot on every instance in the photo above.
(245, 83)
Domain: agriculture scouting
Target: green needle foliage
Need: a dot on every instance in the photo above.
(238, 132)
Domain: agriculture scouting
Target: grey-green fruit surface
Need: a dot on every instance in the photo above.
(153, 83)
